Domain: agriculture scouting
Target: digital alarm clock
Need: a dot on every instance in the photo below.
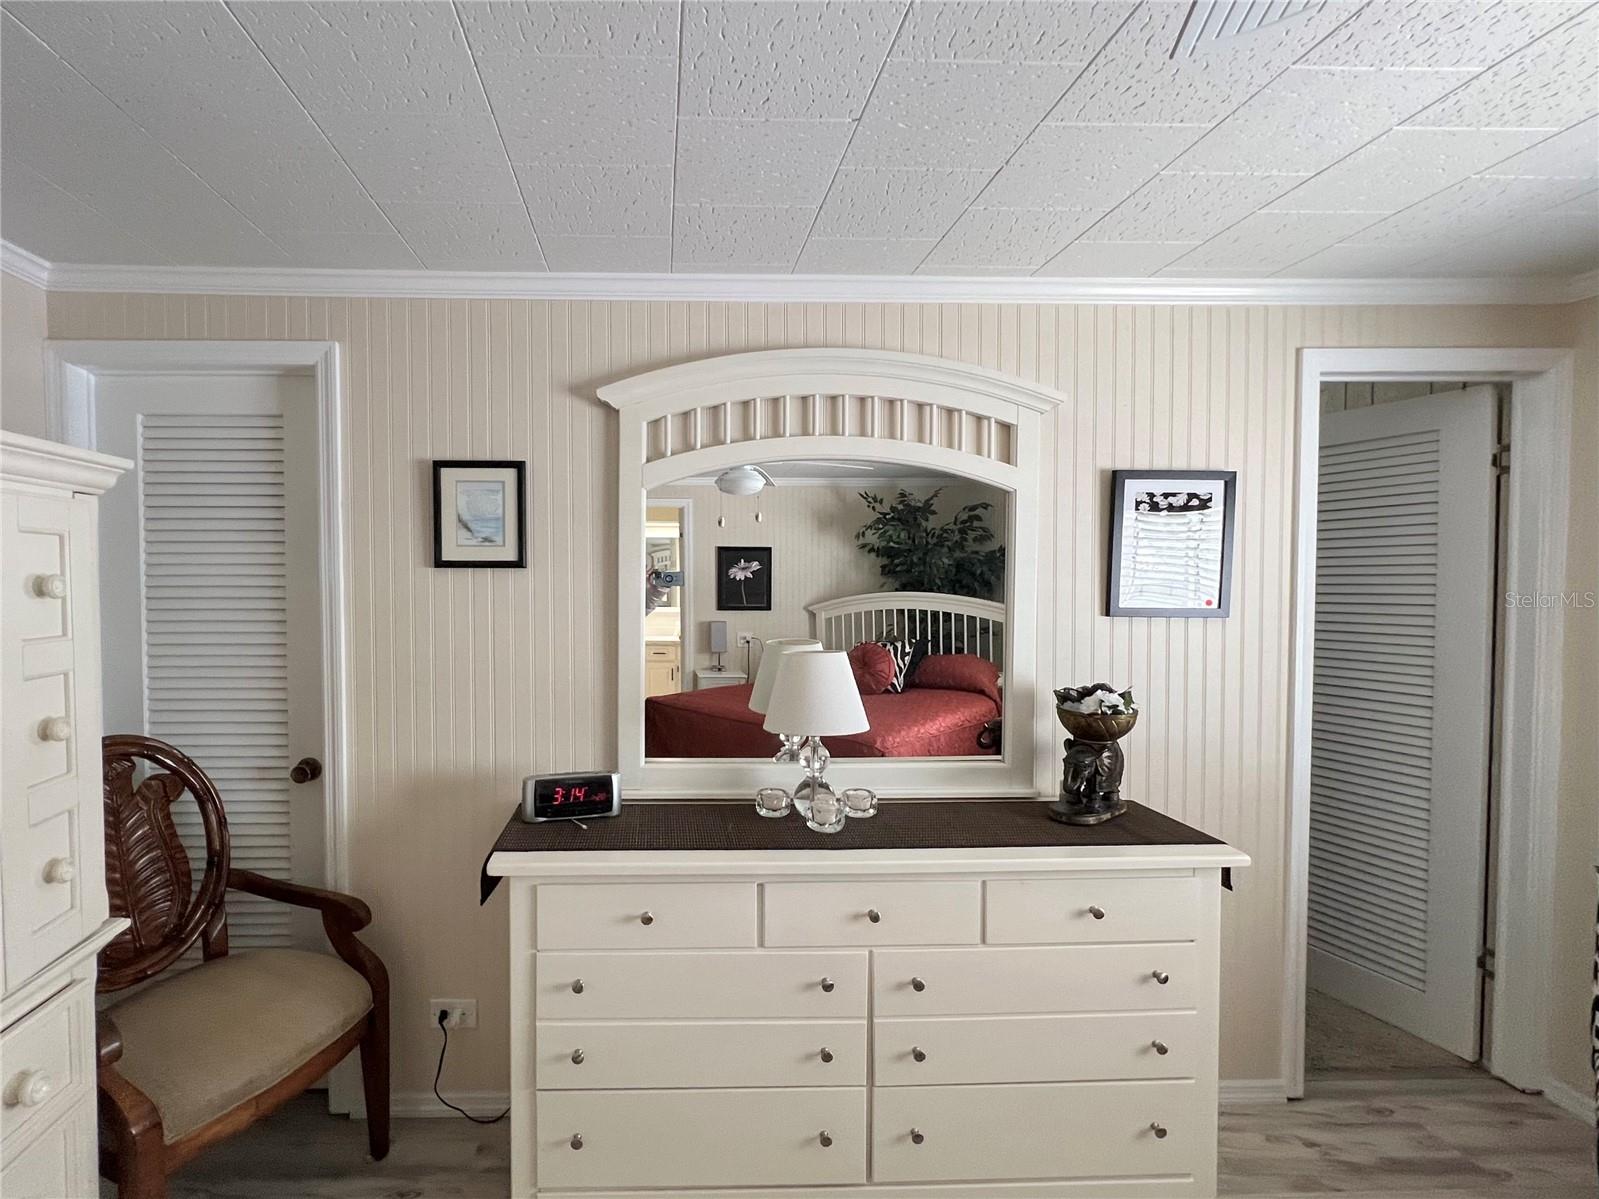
(570, 796)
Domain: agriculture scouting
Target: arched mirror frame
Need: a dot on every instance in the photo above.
(875, 405)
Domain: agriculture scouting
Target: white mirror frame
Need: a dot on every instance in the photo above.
(877, 405)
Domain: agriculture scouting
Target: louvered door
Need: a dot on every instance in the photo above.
(1399, 760)
(210, 585)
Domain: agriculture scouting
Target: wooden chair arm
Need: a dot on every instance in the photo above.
(129, 1118)
(108, 1040)
(346, 910)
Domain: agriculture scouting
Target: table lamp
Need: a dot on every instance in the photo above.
(813, 696)
(766, 675)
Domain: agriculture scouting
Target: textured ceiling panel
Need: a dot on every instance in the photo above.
(861, 136)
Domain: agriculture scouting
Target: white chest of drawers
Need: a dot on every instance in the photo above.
(933, 1023)
(53, 909)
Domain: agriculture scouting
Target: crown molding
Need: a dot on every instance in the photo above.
(916, 289)
(14, 260)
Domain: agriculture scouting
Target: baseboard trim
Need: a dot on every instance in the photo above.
(1251, 1092)
(414, 1105)
(1569, 1099)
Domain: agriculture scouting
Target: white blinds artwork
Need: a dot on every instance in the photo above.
(1172, 546)
(215, 611)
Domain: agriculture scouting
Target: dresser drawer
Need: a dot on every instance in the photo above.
(1062, 1130)
(1055, 910)
(911, 913)
(646, 916)
(45, 1060)
(688, 986)
(662, 1139)
(975, 1049)
(1000, 980)
(57, 1161)
(703, 1053)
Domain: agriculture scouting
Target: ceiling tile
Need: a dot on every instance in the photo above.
(468, 237)
(1265, 242)
(1401, 167)
(61, 228)
(799, 59)
(1306, 120)
(368, 59)
(584, 109)
(1571, 154)
(1356, 262)
(896, 203)
(1534, 88)
(1017, 238)
(652, 255)
(1137, 81)
(571, 28)
(756, 162)
(968, 146)
(862, 256)
(352, 251)
(1007, 31)
(1085, 166)
(1189, 207)
(1016, 95)
(1541, 245)
(425, 157)
(1425, 33)
(1473, 207)
(1113, 259)
(588, 199)
(734, 233)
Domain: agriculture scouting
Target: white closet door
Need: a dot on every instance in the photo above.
(211, 590)
(1399, 761)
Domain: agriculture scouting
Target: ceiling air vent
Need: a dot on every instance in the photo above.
(1214, 22)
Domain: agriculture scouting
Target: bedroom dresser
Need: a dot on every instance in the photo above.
(948, 1001)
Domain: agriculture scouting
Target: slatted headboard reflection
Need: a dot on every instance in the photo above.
(950, 624)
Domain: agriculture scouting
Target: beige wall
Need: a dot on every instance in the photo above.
(464, 681)
(22, 334)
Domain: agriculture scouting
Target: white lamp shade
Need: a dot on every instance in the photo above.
(815, 695)
(771, 659)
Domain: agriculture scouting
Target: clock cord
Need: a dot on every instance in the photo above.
(444, 1028)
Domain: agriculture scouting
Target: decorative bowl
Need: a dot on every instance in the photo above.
(1096, 726)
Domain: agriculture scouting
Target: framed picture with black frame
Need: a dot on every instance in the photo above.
(1171, 542)
(743, 578)
(479, 512)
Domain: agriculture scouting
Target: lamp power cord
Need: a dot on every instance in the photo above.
(444, 1027)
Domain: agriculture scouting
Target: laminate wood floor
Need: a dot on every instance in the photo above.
(1367, 1139)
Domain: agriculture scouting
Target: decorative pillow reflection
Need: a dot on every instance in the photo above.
(873, 667)
(907, 656)
(958, 672)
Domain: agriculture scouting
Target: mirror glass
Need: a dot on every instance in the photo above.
(901, 566)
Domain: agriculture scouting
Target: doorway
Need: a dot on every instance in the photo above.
(1402, 715)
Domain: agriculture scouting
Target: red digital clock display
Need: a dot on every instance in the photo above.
(570, 796)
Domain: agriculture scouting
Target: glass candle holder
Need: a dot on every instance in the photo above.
(827, 812)
(773, 802)
(860, 802)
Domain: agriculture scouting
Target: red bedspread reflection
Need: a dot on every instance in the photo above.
(717, 723)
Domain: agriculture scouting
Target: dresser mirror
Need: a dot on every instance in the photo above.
(902, 566)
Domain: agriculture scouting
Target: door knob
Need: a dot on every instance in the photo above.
(55, 728)
(306, 770)
(31, 1088)
(60, 870)
(50, 586)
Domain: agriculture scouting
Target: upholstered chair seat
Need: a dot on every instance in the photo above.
(205, 1040)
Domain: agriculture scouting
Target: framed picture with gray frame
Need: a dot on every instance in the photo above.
(1171, 542)
(479, 512)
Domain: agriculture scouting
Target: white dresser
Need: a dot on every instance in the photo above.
(53, 912)
(1036, 1020)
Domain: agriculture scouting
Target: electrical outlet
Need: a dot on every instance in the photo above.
(747, 639)
(461, 1013)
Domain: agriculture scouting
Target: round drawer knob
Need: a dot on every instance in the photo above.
(50, 586)
(577, 986)
(916, 1136)
(826, 1139)
(31, 1088)
(826, 1055)
(577, 1140)
(646, 918)
(918, 1053)
(55, 728)
(1160, 976)
(828, 985)
(577, 1057)
(918, 984)
(874, 915)
(1159, 1130)
(1097, 912)
(60, 870)
(1160, 1047)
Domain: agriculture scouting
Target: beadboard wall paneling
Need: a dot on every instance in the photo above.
(464, 681)
(22, 333)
